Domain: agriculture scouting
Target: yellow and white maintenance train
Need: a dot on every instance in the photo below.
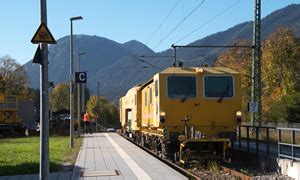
(9, 118)
(183, 111)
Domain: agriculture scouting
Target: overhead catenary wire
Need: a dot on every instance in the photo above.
(151, 56)
(226, 43)
(129, 67)
(160, 25)
(208, 21)
(183, 14)
(153, 65)
(185, 18)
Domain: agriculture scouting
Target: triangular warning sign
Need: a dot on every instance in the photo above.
(37, 56)
(43, 35)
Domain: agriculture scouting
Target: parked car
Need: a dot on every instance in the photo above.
(111, 130)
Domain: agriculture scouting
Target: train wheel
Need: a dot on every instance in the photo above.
(143, 139)
(163, 148)
(176, 156)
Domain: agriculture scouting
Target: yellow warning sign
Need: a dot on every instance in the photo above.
(43, 35)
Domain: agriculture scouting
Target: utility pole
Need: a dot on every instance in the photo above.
(44, 110)
(78, 94)
(256, 84)
(83, 98)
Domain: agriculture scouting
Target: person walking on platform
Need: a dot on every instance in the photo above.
(86, 122)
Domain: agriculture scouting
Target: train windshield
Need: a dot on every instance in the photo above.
(218, 86)
(181, 86)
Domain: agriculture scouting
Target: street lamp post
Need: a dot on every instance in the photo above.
(72, 83)
(78, 93)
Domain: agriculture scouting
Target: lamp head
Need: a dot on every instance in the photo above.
(76, 18)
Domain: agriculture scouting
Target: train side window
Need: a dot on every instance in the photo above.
(156, 88)
(218, 86)
(150, 96)
(181, 86)
(145, 98)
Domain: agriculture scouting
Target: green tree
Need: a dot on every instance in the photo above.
(60, 97)
(281, 74)
(102, 111)
(13, 79)
(287, 109)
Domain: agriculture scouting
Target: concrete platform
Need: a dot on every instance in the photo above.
(110, 156)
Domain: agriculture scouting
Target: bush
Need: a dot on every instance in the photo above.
(287, 109)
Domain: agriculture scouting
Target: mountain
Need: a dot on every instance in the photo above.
(100, 52)
(117, 66)
(287, 17)
(136, 47)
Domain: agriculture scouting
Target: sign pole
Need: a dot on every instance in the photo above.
(44, 112)
(43, 37)
(78, 98)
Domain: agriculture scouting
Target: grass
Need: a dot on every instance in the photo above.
(213, 166)
(22, 155)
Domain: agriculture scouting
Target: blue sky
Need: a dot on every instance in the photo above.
(123, 20)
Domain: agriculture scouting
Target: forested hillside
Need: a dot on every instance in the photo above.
(280, 74)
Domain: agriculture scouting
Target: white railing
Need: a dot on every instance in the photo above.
(276, 124)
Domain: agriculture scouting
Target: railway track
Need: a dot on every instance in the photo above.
(228, 172)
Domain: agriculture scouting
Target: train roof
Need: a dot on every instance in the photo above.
(192, 70)
(133, 89)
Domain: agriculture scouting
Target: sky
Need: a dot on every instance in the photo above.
(156, 23)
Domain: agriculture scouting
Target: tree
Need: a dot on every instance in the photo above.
(281, 68)
(239, 59)
(13, 79)
(280, 74)
(60, 97)
(287, 109)
(102, 111)
(95, 107)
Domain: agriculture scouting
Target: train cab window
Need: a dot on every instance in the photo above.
(156, 88)
(181, 86)
(218, 86)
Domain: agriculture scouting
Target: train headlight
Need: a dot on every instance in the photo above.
(199, 70)
(162, 117)
(238, 115)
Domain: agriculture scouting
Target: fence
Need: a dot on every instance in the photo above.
(276, 124)
(257, 139)
(289, 149)
(280, 141)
